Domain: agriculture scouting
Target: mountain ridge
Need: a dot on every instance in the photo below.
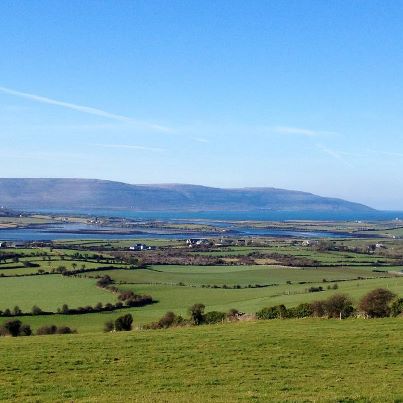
(98, 193)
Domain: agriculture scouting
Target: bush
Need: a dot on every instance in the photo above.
(300, 311)
(65, 330)
(167, 320)
(376, 304)
(396, 308)
(30, 264)
(196, 313)
(65, 309)
(170, 319)
(13, 327)
(214, 317)
(318, 308)
(25, 330)
(232, 314)
(339, 306)
(17, 311)
(273, 312)
(124, 323)
(53, 329)
(46, 330)
(36, 310)
(315, 289)
(104, 281)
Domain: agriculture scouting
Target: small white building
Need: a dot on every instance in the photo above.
(141, 246)
(197, 242)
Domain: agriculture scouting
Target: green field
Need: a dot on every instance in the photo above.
(176, 287)
(178, 299)
(50, 292)
(233, 275)
(290, 360)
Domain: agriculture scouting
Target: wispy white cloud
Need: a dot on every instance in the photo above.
(300, 131)
(333, 153)
(200, 139)
(131, 147)
(84, 109)
(387, 153)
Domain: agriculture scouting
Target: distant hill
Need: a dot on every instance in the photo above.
(93, 193)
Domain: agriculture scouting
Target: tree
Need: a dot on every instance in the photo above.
(17, 311)
(36, 310)
(232, 314)
(196, 313)
(13, 327)
(104, 281)
(397, 307)
(25, 330)
(273, 312)
(376, 304)
(124, 323)
(339, 306)
(65, 309)
(214, 317)
(303, 310)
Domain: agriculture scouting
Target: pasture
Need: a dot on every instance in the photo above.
(174, 287)
(50, 292)
(279, 360)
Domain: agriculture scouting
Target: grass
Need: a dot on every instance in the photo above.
(233, 275)
(291, 360)
(50, 292)
(55, 290)
(250, 300)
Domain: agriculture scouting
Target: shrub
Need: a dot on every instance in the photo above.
(46, 330)
(232, 314)
(17, 311)
(273, 312)
(36, 310)
(12, 327)
(376, 304)
(124, 323)
(30, 264)
(300, 311)
(104, 281)
(214, 317)
(25, 330)
(65, 309)
(53, 329)
(315, 289)
(318, 308)
(65, 330)
(339, 306)
(196, 313)
(396, 308)
(170, 319)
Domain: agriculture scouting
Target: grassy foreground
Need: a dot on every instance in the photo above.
(289, 360)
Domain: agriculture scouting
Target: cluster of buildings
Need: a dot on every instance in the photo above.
(7, 244)
(141, 246)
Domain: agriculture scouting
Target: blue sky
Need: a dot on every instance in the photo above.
(303, 95)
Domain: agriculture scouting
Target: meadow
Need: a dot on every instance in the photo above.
(280, 360)
(50, 292)
(246, 287)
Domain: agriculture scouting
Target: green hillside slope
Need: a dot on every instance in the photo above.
(292, 360)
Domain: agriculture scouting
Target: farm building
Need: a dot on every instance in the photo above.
(197, 242)
(141, 246)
